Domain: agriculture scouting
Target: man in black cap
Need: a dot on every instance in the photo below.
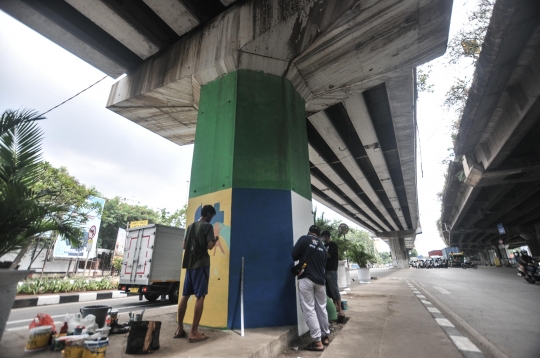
(331, 276)
(311, 287)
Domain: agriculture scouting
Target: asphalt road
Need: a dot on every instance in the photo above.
(501, 306)
(20, 318)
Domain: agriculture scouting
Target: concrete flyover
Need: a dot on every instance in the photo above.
(285, 101)
(498, 181)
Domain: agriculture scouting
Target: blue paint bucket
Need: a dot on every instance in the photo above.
(344, 305)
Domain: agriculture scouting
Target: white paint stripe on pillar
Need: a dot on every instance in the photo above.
(433, 310)
(464, 344)
(48, 300)
(426, 302)
(444, 322)
(89, 296)
(442, 290)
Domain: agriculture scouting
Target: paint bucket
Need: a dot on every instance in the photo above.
(39, 338)
(99, 311)
(74, 348)
(344, 305)
(95, 349)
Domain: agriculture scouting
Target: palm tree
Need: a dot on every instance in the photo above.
(357, 253)
(26, 213)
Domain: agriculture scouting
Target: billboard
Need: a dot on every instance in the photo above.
(87, 241)
(120, 243)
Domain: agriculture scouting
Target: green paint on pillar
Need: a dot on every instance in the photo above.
(251, 133)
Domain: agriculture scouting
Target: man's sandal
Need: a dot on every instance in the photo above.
(313, 347)
(325, 340)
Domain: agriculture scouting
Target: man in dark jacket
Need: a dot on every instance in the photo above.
(332, 289)
(311, 287)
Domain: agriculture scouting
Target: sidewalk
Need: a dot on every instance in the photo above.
(386, 319)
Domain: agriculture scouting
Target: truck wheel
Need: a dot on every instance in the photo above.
(173, 294)
(152, 297)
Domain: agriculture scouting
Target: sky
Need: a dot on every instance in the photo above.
(120, 158)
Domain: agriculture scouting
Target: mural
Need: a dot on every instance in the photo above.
(216, 303)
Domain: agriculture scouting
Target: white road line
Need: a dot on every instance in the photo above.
(422, 284)
(433, 310)
(464, 344)
(421, 296)
(426, 302)
(48, 300)
(417, 292)
(442, 290)
(444, 322)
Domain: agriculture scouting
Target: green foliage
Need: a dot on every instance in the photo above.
(422, 78)
(359, 254)
(386, 257)
(176, 219)
(117, 264)
(354, 238)
(26, 209)
(414, 253)
(60, 285)
(117, 214)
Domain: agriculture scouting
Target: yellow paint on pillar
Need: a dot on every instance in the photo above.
(216, 302)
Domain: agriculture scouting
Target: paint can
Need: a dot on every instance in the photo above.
(74, 348)
(114, 315)
(39, 338)
(95, 349)
(344, 305)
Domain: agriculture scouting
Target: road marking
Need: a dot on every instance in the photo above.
(464, 344)
(433, 310)
(48, 300)
(89, 296)
(422, 284)
(442, 290)
(443, 322)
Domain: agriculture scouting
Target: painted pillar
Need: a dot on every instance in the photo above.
(399, 252)
(251, 162)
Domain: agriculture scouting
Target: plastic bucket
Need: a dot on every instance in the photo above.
(95, 349)
(344, 305)
(99, 311)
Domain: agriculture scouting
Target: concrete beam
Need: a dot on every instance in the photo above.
(328, 171)
(332, 138)
(402, 100)
(311, 43)
(363, 124)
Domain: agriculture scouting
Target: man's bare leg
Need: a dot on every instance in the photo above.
(182, 306)
(199, 306)
(339, 310)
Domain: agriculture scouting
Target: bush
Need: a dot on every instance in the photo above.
(62, 285)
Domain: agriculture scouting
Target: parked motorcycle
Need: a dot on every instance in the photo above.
(466, 265)
(523, 272)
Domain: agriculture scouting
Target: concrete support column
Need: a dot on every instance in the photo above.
(533, 241)
(251, 163)
(399, 252)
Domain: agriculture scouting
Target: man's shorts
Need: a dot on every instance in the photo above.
(196, 282)
(332, 289)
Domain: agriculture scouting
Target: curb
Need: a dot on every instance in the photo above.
(59, 299)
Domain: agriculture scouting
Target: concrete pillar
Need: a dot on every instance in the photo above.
(250, 162)
(533, 241)
(399, 252)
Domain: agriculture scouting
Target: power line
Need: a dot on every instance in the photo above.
(70, 98)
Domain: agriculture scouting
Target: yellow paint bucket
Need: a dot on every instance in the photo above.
(73, 349)
(95, 349)
(39, 338)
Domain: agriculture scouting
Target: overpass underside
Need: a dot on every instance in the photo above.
(285, 101)
(498, 181)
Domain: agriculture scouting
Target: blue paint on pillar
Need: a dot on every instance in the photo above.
(261, 232)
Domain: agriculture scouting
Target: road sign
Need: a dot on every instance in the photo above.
(92, 232)
(138, 223)
(500, 227)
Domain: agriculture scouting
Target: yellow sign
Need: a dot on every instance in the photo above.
(138, 223)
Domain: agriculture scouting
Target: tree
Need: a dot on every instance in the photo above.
(386, 257)
(117, 214)
(414, 253)
(176, 219)
(27, 210)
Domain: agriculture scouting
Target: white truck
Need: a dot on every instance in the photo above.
(152, 262)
